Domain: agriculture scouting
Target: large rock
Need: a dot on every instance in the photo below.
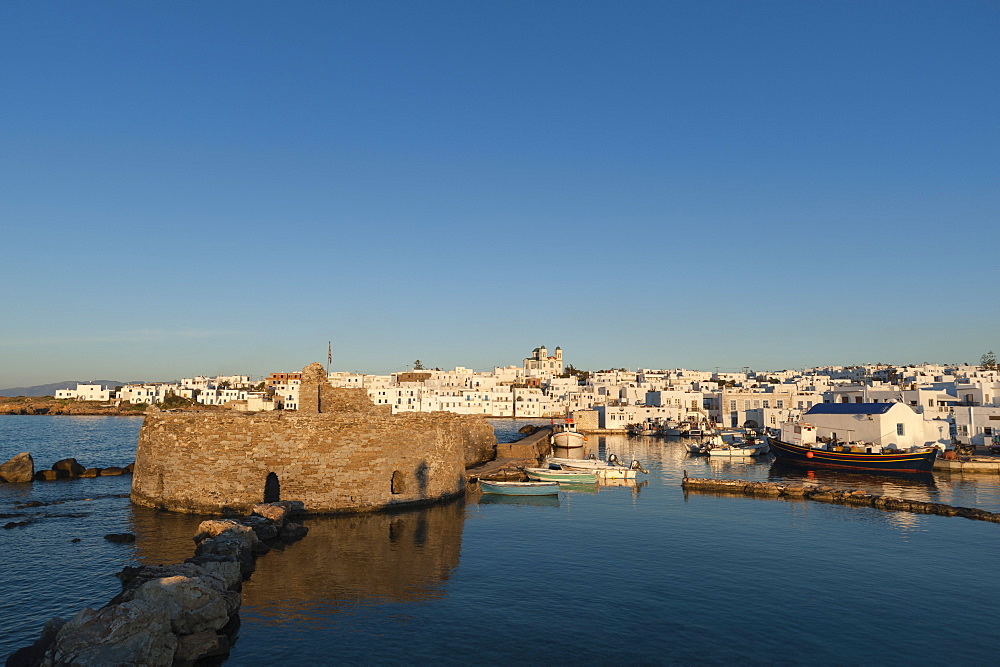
(20, 468)
(232, 545)
(193, 604)
(131, 633)
(226, 568)
(292, 532)
(200, 645)
(134, 577)
(230, 528)
(71, 466)
(276, 512)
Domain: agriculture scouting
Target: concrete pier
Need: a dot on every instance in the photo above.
(828, 494)
(511, 456)
(982, 465)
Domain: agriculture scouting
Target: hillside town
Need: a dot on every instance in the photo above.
(945, 404)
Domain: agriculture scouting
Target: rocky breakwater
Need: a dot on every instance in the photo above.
(21, 469)
(829, 494)
(172, 614)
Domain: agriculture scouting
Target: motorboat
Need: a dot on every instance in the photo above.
(613, 468)
(735, 449)
(561, 475)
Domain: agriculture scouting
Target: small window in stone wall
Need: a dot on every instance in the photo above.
(398, 482)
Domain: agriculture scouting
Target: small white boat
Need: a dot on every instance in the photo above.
(737, 450)
(697, 448)
(565, 436)
(561, 475)
(610, 469)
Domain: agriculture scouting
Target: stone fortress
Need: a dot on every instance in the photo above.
(338, 453)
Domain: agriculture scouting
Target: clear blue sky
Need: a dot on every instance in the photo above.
(223, 187)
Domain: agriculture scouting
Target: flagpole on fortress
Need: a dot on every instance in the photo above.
(329, 357)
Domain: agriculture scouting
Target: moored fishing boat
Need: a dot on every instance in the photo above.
(519, 488)
(565, 435)
(736, 444)
(560, 475)
(738, 450)
(697, 448)
(613, 468)
(805, 450)
(849, 457)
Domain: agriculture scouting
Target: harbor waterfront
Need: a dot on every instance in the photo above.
(649, 571)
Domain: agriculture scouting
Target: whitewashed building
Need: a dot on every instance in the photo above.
(86, 392)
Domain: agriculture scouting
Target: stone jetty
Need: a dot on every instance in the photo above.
(172, 614)
(511, 457)
(828, 494)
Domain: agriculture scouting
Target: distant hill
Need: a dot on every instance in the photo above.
(50, 389)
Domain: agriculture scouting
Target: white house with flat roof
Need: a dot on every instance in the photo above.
(887, 424)
(86, 392)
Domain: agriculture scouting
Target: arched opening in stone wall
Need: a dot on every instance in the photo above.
(398, 482)
(272, 488)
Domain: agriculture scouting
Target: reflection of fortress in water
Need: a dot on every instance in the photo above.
(402, 557)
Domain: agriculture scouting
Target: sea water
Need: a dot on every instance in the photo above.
(600, 574)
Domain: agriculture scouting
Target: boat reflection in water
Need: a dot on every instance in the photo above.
(537, 501)
(634, 485)
(912, 486)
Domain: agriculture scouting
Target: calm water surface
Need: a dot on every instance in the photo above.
(604, 575)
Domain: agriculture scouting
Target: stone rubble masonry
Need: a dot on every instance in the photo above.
(338, 453)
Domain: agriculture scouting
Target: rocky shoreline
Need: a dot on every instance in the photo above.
(179, 614)
(47, 405)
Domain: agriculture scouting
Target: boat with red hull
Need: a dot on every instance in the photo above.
(889, 461)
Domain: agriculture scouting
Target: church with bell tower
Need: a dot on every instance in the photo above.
(541, 361)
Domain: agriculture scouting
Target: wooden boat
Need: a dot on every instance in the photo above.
(886, 460)
(520, 488)
(565, 436)
(559, 475)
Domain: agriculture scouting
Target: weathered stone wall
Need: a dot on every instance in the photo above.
(355, 458)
